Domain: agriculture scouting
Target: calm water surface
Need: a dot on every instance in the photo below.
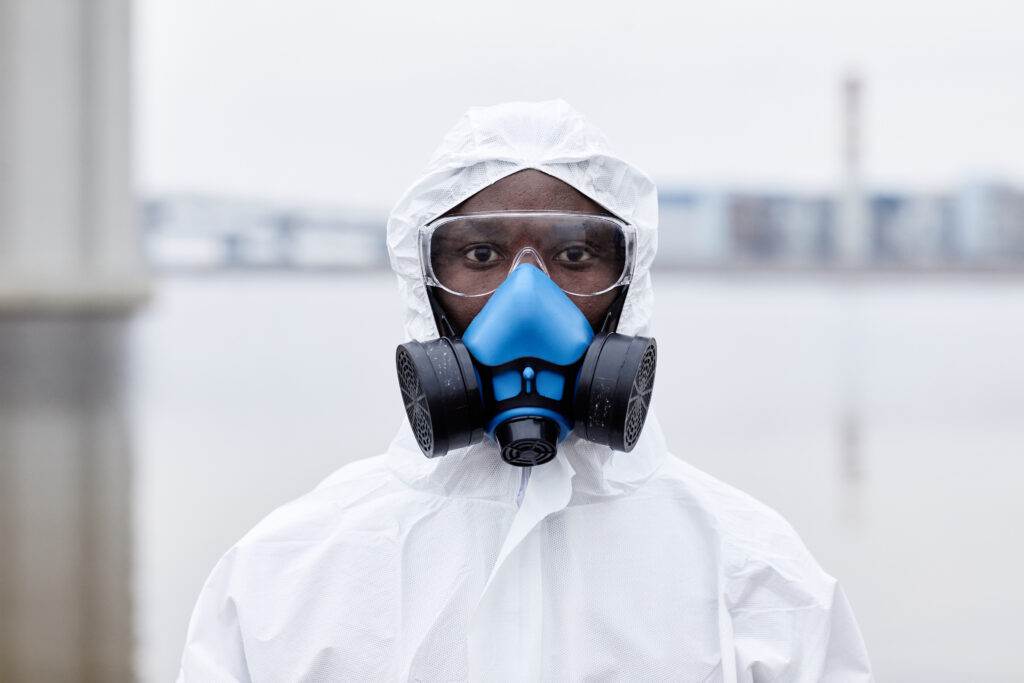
(884, 420)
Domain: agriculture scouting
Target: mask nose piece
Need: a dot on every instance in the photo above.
(531, 256)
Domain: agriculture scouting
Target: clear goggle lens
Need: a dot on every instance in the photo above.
(472, 254)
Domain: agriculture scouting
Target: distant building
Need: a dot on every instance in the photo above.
(990, 222)
(693, 229)
(780, 228)
(201, 233)
(979, 224)
(910, 229)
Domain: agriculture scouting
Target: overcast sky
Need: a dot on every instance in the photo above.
(342, 102)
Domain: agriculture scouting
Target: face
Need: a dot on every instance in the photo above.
(531, 190)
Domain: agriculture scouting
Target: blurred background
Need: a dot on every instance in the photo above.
(197, 322)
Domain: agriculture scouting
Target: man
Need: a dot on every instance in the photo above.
(565, 559)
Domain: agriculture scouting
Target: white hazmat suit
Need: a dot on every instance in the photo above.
(598, 565)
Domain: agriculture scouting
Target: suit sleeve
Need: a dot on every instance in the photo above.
(843, 655)
(800, 642)
(214, 649)
(787, 619)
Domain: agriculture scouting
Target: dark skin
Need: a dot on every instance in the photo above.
(526, 190)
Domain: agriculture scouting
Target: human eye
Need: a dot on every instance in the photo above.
(481, 254)
(575, 254)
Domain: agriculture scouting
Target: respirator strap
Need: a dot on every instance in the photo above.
(444, 326)
(611, 318)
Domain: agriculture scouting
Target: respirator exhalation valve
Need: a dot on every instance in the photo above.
(527, 441)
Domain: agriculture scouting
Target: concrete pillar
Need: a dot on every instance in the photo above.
(71, 273)
(68, 236)
(65, 499)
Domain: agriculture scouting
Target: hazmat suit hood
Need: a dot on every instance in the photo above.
(486, 145)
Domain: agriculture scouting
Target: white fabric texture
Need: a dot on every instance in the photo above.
(598, 565)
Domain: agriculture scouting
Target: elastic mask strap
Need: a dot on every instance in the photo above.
(444, 326)
(611, 318)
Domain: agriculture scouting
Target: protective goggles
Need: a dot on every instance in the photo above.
(471, 255)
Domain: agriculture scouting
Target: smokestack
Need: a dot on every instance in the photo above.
(852, 239)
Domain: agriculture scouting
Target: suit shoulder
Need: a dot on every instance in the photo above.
(763, 562)
(312, 515)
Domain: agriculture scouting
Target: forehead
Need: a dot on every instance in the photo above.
(528, 190)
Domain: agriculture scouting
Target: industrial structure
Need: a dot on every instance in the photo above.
(976, 225)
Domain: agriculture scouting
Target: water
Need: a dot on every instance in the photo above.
(882, 419)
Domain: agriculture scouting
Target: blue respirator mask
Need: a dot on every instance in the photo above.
(529, 369)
